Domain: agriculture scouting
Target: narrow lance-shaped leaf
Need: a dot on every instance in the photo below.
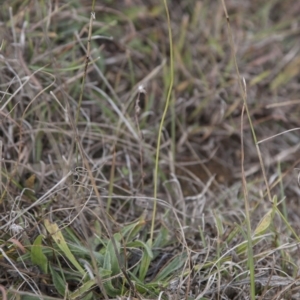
(59, 239)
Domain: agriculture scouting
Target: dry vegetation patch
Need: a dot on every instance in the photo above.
(79, 142)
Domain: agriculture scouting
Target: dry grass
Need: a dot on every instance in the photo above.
(77, 170)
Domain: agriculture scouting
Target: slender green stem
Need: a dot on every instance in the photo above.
(162, 121)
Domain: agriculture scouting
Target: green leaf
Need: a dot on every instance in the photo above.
(78, 294)
(89, 296)
(108, 285)
(130, 231)
(110, 289)
(264, 223)
(146, 259)
(104, 273)
(161, 239)
(267, 219)
(141, 244)
(107, 263)
(114, 264)
(58, 282)
(59, 239)
(37, 255)
(172, 266)
(141, 286)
